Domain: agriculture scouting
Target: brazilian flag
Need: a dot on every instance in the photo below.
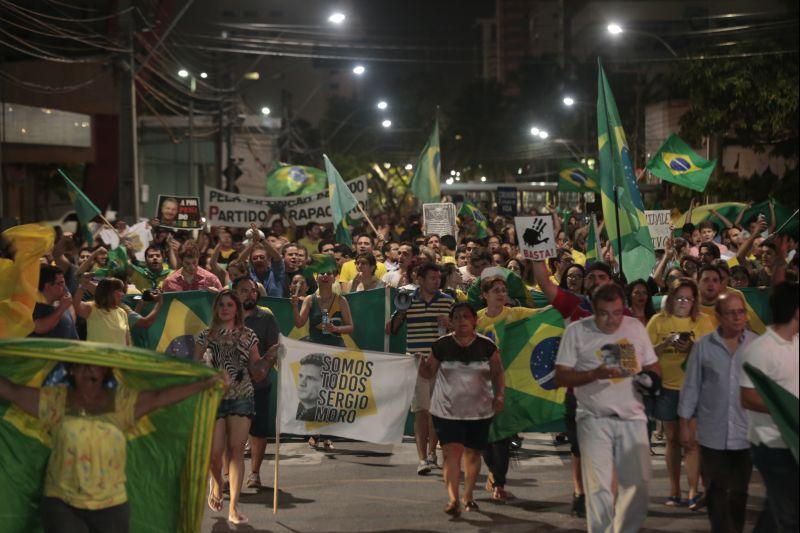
(469, 209)
(425, 184)
(528, 349)
(677, 163)
(117, 263)
(593, 242)
(84, 208)
(295, 180)
(756, 301)
(782, 405)
(342, 202)
(632, 243)
(577, 177)
(167, 452)
(182, 317)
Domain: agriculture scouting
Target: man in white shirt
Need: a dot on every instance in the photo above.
(774, 354)
(599, 357)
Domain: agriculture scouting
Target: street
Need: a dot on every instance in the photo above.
(365, 487)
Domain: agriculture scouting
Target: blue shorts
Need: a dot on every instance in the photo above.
(237, 407)
(473, 434)
(666, 405)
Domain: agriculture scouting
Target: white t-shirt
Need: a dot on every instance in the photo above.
(777, 358)
(584, 347)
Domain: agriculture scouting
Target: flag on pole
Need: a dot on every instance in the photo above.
(354, 394)
(342, 202)
(117, 263)
(677, 163)
(593, 242)
(632, 242)
(469, 209)
(782, 405)
(84, 208)
(171, 445)
(577, 177)
(425, 184)
(290, 180)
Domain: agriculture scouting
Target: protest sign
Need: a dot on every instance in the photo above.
(536, 238)
(507, 201)
(439, 219)
(659, 222)
(225, 208)
(181, 212)
(355, 394)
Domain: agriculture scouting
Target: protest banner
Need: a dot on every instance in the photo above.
(224, 208)
(181, 212)
(439, 219)
(507, 201)
(355, 394)
(659, 222)
(536, 237)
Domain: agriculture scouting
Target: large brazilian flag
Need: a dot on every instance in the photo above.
(528, 349)
(632, 244)
(677, 163)
(290, 180)
(182, 317)
(167, 451)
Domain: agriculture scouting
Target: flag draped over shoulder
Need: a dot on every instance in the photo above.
(117, 263)
(182, 317)
(633, 242)
(782, 405)
(342, 202)
(469, 209)
(355, 394)
(517, 290)
(289, 180)
(577, 177)
(677, 163)
(19, 278)
(84, 208)
(167, 451)
(425, 183)
(528, 349)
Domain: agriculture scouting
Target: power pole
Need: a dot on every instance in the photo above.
(127, 178)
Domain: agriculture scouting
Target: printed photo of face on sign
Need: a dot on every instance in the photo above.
(178, 212)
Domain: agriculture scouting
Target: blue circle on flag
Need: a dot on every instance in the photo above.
(543, 362)
(680, 164)
(578, 176)
(298, 175)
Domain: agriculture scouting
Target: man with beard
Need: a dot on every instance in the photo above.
(263, 323)
(155, 271)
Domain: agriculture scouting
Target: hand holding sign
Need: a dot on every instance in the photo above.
(535, 237)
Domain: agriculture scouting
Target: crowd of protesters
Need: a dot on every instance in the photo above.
(626, 364)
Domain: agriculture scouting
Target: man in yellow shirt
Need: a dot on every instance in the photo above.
(312, 238)
(363, 245)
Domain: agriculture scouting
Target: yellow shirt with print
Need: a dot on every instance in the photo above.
(662, 326)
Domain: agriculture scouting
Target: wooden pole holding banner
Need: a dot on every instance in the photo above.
(369, 221)
(277, 441)
(387, 311)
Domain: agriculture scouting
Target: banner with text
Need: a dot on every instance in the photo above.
(536, 237)
(659, 222)
(225, 208)
(354, 394)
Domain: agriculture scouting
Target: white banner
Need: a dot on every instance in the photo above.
(439, 219)
(659, 222)
(225, 208)
(355, 394)
(535, 237)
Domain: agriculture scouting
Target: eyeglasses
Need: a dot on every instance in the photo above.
(682, 300)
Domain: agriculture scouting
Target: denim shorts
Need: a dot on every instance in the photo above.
(237, 407)
(666, 405)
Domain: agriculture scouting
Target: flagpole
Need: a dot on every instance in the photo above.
(787, 221)
(103, 218)
(277, 441)
(597, 251)
(387, 310)
(369, 221)
(619, 234)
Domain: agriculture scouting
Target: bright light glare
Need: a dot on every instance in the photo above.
(265, 111)
(452, 172)
(483, 178)
(204, 75)
(358, 70)
(337, 18)
(543, 134)
(449, 181)
(534, 131)
(614, 28)
(409, 166)
(382, 105)
(568, 101)
(183, 73)
(386, 123)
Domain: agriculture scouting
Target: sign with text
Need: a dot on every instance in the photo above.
(225, 208)
(536, 237)
(507, 201)
(439, 219)
(659, 222)
(182, 212)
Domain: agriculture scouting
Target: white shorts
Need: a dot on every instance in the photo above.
(422, 395)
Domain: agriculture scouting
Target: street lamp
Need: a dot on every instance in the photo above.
(358, 70)
(543, 135)
(535, 131)
(204, 75)
(382, 105)
(337, 18)
(183, 73)
(483, 179)
(614, 28)
(265, 111)
(568, 101)
(386, 123)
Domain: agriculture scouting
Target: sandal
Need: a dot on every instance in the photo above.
(470, 505)
(238, 519)
(452, 509)
(499, 495)
(214, 502)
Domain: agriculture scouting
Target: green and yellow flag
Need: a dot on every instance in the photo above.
(517, 291)
(677, 163)
(577, 177)
(425, 184)
(528, 349)
(84, 208)
(295, 180)
(782, 405)
(167, 452)
(469, 209)
(182, 317)
(593, 242)
(633, 245)
(117, 263)
(342, 202)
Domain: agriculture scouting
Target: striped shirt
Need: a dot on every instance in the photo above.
(422, 324)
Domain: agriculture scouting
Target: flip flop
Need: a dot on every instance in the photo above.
(238, 519)
(214, 503)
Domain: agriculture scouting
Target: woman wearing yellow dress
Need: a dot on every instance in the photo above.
(673, 331)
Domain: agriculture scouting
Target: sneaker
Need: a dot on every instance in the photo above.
(698, 502)
(424, 468)
(254, 481)
(674, 501)
(579, 505)
(432, 461)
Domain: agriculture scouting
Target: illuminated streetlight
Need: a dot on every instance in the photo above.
(543, 134)
(614, 28)
(483, 178)
(452, 172)
(409, 166)
(204, 75)
(386, 123)
(568, 101)
(382, 105)
(337, 18)
(183, 73)
(449, 181)
(358, 70)
(534, 131)
(265, 111)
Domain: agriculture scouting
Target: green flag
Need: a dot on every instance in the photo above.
(167, 451)
(593, 242)
(471, 210)
(289, 180)
(117, 263)
(782, 405)
(517, 290)
(577, 177)
(84, 208)
(528, 349)
(677, 163)
(616, 173)
(182, 317)
(425, 184)
(342, 202)
(321, 263)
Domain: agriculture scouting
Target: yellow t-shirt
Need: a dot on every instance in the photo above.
(672, 361)
(109, 326)
(349, 271)
(486, 324)
(309, 245)
(578, 257)
(86, 468)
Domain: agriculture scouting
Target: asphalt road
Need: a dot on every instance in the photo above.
(365, 487)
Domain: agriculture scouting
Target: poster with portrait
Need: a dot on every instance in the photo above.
(180, 212)
(536, 237)
(356, 394)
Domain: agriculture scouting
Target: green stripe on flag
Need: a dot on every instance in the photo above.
(342, 202)
(84, 208)
(426, 181)
(782, 405)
